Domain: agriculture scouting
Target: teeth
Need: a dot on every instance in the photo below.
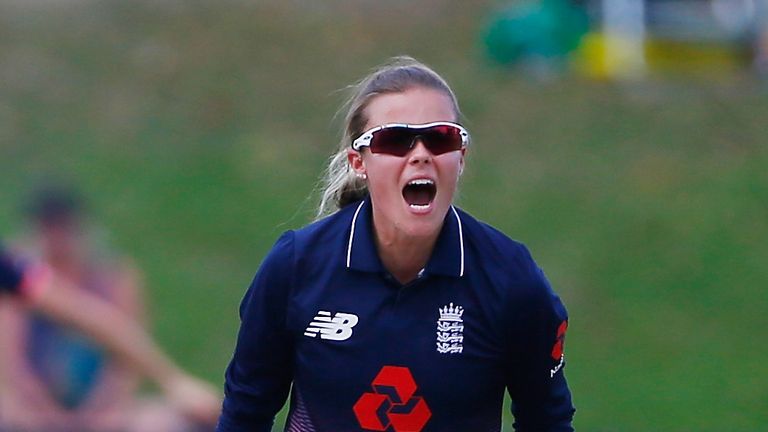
(421, 182)
(419, 207)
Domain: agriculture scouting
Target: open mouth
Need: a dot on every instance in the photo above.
(419, 193)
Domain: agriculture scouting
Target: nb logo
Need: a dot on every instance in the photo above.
(338, 327)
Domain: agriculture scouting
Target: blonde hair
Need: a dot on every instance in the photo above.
(340, 186)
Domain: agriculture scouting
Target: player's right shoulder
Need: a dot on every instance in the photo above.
(327, 233)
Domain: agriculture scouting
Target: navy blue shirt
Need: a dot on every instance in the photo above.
(363, 352)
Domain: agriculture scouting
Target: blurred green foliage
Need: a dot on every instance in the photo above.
(198, 130)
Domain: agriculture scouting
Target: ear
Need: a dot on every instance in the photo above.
(355, 159)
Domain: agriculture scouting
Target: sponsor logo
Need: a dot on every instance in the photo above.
(337, 327)
(557, 350)
(393, 403)
(450, 330)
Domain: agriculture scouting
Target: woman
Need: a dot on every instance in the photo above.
(398, 312)
(53, 378)
(42, 290)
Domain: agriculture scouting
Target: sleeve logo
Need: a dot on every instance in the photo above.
(557, 350)
(338, 327)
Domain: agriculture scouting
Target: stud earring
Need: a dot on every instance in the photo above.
(362, 176)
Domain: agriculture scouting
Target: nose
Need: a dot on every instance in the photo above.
(419, 153)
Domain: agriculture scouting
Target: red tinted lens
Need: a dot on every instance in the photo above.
(441, 139)
(398, 141)
(393, 140)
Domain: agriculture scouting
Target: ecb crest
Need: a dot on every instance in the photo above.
(450, 330)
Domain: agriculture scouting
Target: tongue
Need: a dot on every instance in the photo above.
(417, 195)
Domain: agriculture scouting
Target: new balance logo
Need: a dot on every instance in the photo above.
(338, 327)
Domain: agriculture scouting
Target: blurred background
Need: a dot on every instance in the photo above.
(624, 142)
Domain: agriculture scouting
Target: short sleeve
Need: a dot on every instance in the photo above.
(258, 378)
(541, 400)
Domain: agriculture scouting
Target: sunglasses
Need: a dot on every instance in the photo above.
(398, 139)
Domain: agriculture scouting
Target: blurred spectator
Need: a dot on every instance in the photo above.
(56, 379)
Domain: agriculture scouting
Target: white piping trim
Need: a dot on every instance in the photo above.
(352, 233)
(461, 241)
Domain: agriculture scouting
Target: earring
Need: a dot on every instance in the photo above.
(362, 176)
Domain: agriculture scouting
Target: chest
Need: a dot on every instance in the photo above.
(437, 339)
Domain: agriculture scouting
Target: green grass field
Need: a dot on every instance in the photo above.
(198, 130)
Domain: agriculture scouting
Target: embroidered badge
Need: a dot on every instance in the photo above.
(450, 330)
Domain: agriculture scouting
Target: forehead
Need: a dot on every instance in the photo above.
(417, 105)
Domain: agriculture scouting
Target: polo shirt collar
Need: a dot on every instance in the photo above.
(447, 257)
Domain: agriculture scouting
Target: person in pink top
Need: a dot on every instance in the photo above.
(54, 378)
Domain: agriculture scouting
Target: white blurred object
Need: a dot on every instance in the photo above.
(638, 38)
(624, 30)
(736, 17)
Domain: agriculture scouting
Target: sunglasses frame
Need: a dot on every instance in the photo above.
(366, 138)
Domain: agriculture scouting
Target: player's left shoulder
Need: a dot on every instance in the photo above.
(495, 250)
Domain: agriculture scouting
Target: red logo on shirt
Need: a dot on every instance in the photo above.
(393, 403)
(557, 350)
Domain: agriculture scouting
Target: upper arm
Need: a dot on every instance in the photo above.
(259, 375)
(536, 382)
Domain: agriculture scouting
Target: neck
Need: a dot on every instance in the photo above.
(403, 255)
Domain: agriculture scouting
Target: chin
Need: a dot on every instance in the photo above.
(423, 222)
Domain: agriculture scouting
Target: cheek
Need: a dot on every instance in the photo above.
(381, 185)
(383, 174)
(452, 168)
